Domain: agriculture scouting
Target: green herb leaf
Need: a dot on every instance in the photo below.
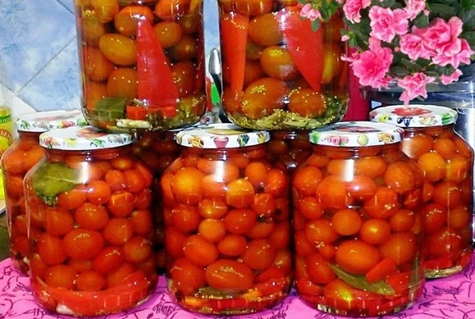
(52, 179)
(360, 282)
(110, 108)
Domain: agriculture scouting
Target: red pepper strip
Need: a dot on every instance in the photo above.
(135, 112)
(382, 269)
(233, 45)
(155, 80)
(127, 294)
(304, 44)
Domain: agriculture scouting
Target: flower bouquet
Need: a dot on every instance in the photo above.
(408, 43)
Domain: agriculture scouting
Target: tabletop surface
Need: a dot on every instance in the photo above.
(452, 297)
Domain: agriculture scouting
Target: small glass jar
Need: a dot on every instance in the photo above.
(23, 154)
(446, 161)
(289, 148)
(157, 150)
(279, 71)
(357, 222)
(88, 203)
(142, 63)
(227, 225)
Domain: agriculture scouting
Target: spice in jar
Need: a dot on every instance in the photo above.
(89, 206)
(227, 225)
(357, 222)
(446, 161)
(24, 153)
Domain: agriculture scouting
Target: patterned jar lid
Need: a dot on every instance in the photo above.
(356, 134)
(49, 120)
(83, 139)
(414, 115)
(220, 135)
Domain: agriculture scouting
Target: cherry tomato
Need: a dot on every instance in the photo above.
(187, 277)
(318, 270)
(259, 254)
(199, 251)
(400, 247)
(229, 275)
(356, 256)
(82, 243)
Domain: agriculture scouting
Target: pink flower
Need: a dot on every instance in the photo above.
(414, 85)
(414, 7)
(308, 12)
(372, 66)
(352, 8)
(386, 23)
(447, 79)
(411, 44)
(455, 58)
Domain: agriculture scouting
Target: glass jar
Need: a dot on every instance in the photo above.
(446, 161)
(157, 150)
(278, 72)
(23, 154)
(227, 225)
(142, 63)
(88, 202)
(357, 222)
(288, 148)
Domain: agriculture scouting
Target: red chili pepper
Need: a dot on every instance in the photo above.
(382, 269)
(127, 294)
(304, 44)
(136, 112)
(155, 80)
(233, 45)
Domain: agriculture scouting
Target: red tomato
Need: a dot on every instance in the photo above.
(187, 277)
(229, 275)
(82, 243)
(356, 256)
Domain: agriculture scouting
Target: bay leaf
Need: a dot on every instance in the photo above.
(360, 282)
(51, 179)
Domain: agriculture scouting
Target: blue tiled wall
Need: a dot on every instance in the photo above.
(38, 53)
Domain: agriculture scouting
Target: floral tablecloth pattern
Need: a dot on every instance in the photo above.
(452, 297)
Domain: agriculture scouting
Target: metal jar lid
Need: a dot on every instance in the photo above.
(356, 134)
(414, 115)
(83, 139)
(220, 136)
(49, 120)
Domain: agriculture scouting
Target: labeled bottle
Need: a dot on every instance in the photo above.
(446, 161)
(142, 63)
(227, 223)
(281, 71)
(6, 138)
(88, 203)
(23, 154)
(357, 222)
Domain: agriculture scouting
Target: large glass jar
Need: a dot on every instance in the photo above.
(357, 222)
(227, 225)
(279, 71)
(157, 150)
(142, 63)
(446, 161)
(22, 155)
(88, 202)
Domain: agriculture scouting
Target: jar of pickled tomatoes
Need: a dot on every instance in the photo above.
(157, 150)
(142, 63)
(289, 148)
(446, 161)
(227, 225)
(19, 158)
(357, 222)
(281, 71)
(91, 224)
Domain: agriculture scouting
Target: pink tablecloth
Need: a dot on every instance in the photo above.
(452, 297)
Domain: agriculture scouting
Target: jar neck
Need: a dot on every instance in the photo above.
(88, 155)
(29, 135)
(222, 153)
(356, 152)
(432, 130)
